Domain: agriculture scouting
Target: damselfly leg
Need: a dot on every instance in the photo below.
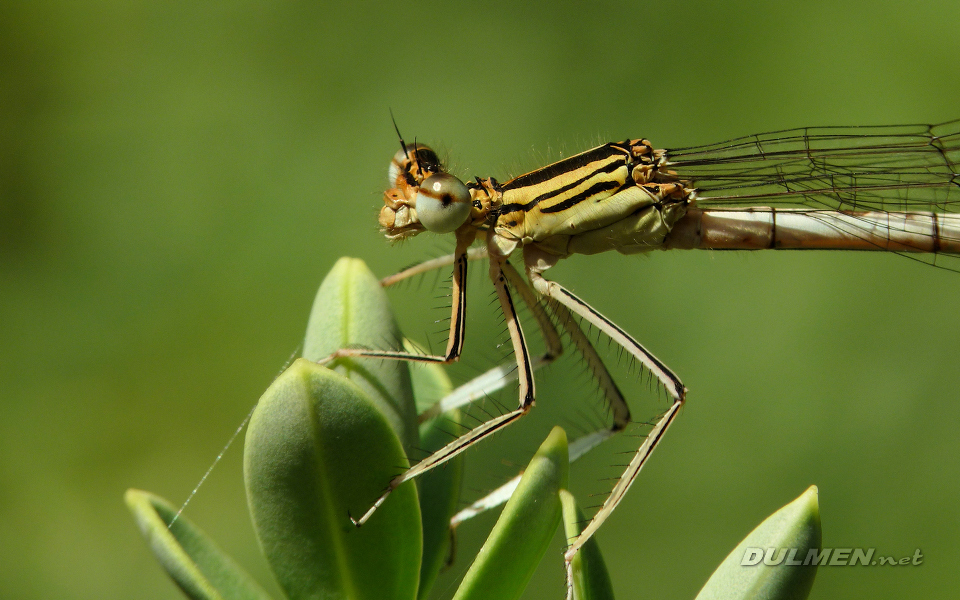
(578, 339)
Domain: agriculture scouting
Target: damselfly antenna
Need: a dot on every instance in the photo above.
(403, 145)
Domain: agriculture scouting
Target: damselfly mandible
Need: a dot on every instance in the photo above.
(890, 188)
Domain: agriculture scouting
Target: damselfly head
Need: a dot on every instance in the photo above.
(424, 197)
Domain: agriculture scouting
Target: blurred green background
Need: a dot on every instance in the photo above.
(176, 178)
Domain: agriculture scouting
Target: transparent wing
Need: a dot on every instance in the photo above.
(888, 168)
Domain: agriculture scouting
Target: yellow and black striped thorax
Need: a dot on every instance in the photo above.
(567, 197)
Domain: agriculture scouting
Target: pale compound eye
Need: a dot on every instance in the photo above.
(443, 203)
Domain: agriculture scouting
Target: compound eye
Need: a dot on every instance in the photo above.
(443, 203)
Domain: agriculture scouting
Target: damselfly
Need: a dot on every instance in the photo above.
(890, 188)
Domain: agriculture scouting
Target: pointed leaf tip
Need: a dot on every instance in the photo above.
(777, 560)
(351, 309)
(195, 563)
(591, 581)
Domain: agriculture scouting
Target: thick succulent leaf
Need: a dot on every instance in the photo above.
(430, 380)
(192, 560)
(351, 309)
(525, 528)
(792, 531)
(317, 450)
(590, 578)
(439, 492)
(439, 489)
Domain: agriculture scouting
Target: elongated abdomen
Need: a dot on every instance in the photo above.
(765, 228)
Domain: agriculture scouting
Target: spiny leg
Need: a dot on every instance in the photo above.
(527, 394)
(611, 393)
(457, 318)
(550, 336)
(578, 448)
(538, 261)
(623, 484)
(429, 265)
(584, 443)
(497, 377)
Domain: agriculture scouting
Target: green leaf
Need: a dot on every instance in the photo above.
(430, 380)
(317, 450)
(351, 309)
(192, 560)
(524, 530)
(590, 578)
(439, 492)
(795, 529)
(439, 489)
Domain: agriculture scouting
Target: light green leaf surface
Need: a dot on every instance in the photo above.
(317, 450)
(590, 578)
(524, 530)
(794, 528)
(439, 489)
(351, 309)
(196, 564)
